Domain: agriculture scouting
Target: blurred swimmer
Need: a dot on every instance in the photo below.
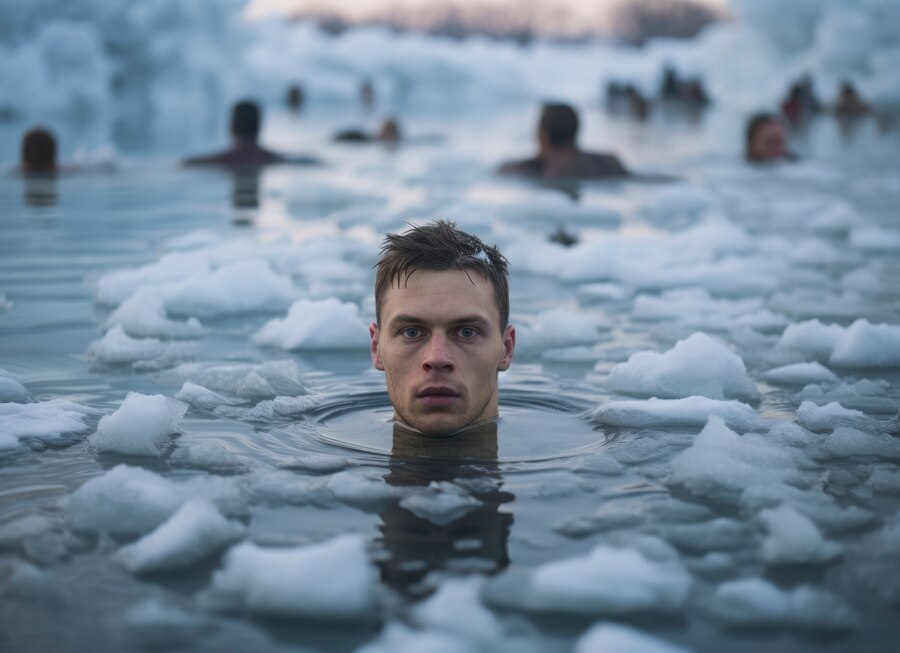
(38, 153)
(295, 98)
(245, 151)
(558, 154)
(849, 104)
(388, 133)
(766, 139)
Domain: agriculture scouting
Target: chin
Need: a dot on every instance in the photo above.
(438, 427)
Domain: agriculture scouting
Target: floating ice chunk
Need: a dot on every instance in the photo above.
(690, 411)
(283, 487)
(240, 287)
(366, 490)
(118, 348)
(268, 410)
(833, 415)
(323, 463)
(691, 303)
(47, 421)
(207, 455)
(714, 535)
(330, 580)
(608, 581)
(11, 390)
(801, 374)
(327, 324)
(397, 638)
(164, 625)
(794, 539)
(560, 327)
(698, 365)
(441, 502)
(456, 608)
(246, 380)
(14, 532)
(143, 315)
(615, 638)
(203, 398)
(115, 287)
(126, 500)
(664, 203)
(867, 345)
(196, 530)
(868, 395)
(875, 238)
(756, 602)
(849, 443)
(604, 292)
(811, 339)
(720, 463)
(140, 427)
(885, 480)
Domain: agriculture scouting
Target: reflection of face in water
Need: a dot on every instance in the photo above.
(476, 540)
(40, 190)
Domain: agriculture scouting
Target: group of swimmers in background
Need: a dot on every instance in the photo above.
(558, 155)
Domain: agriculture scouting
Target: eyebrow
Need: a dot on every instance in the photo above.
(405, 318)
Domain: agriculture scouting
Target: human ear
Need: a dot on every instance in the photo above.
(509, 347)
(373, 347)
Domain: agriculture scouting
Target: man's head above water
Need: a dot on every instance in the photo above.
(441, 333)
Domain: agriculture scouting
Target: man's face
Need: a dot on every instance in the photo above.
(440, 347)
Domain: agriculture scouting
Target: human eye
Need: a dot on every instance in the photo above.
(467, 332)
(410, 332)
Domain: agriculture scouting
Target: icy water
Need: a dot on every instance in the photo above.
(742, 508)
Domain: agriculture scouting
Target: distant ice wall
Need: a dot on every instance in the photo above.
(169, 61)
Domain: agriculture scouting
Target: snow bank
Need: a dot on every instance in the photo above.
(609, 638)
(140, 427)
(330, 580)
(756, 602)
(47, 421)
(196, 530)
(609, 581)
(720, 463)
(326, 324)
(690, 411)
(698, 365)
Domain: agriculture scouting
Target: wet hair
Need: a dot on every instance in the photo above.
(245, 120)
(440, 246)
(38, 151)
(560, 124)
(755, 123)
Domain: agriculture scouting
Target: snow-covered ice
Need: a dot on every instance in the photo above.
(140, 427)
(326, 324)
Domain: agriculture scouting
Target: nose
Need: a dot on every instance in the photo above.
(437, 354)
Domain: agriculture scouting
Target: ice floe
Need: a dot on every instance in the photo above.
(327, 324)
(690, 411)
(609, 581)
(332, 580)
(794, 539)
(194, 531)
(720, 463)
(698, 365)
(11, 390)
(801, 374)
(141, 426)
(245, 381)
(46, 422)
(609, 637)
(441, 502)
(118, 348)
(143, 315)
(757, 602)
(559, 327)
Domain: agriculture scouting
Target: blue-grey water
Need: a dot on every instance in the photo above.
(814, 239)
